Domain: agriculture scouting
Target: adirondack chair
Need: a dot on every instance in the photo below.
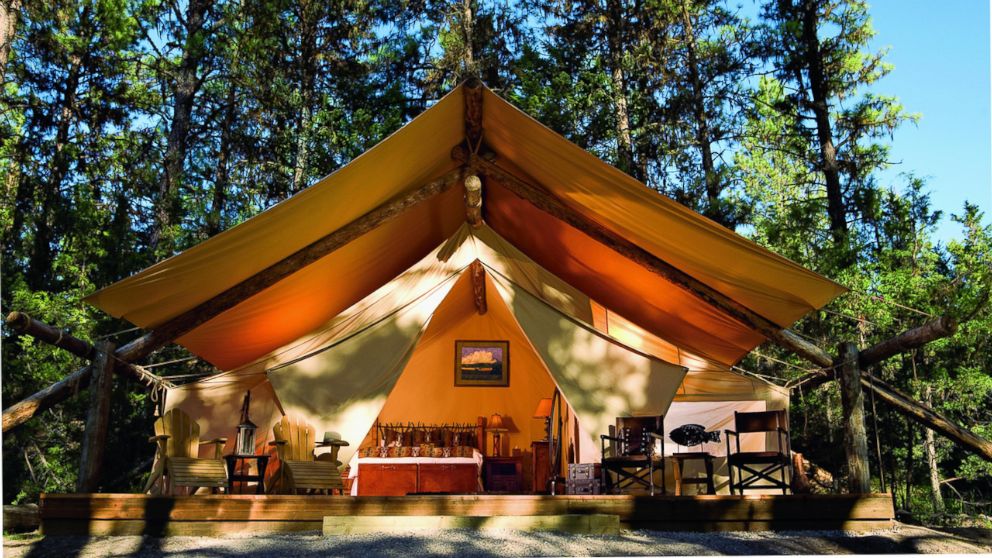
(177, 460)
(299, 469)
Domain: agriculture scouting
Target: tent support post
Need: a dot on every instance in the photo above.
(479, 286)
(97, 419)
(853, 403)
(473, 201)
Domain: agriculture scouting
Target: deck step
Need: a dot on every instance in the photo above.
(585, 524)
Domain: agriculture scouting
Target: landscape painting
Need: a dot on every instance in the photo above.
(482, 363)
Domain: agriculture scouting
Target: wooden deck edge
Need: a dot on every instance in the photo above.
(56, 527)
(130, 514)
(581, 524)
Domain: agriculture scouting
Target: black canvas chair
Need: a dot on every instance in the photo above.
(759, 465)
(633, 459)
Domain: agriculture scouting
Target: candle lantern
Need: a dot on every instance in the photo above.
(246, 431)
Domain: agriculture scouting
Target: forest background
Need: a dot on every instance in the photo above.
(133, 129)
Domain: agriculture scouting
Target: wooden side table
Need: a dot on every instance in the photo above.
(681, 458)
(261, 463)
(504, 474)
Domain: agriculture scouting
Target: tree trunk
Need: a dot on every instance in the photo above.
(222, 176)
(702, 130)
(853, 403)
(911, 433)
(625, 144)
(40, 265)
(9, 13)
(307, 67)
(185, 86)
(821, 114)
(468, 56)
(929, 444)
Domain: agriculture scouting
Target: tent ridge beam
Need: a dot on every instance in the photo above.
(551, 205)
(178, 326)
(203, 312)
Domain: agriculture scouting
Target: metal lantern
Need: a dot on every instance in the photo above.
(246, 431)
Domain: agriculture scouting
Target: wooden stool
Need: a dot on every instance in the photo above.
(681, 458)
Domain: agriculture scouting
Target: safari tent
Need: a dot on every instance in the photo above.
(344, 302)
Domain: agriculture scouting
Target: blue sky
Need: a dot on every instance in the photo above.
(941, 55)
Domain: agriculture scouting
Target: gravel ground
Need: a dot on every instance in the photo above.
(903, 539)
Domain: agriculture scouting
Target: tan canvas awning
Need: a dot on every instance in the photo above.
(765, 283)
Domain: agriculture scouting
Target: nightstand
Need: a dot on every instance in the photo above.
(504, 474)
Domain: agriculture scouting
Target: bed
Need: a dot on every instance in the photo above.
(419, 459)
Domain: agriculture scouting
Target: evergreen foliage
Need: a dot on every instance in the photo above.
(133, 129)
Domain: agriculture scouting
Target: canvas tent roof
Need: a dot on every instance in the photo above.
(760, 280)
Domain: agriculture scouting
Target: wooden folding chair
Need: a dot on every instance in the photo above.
(295, 442)
(177, 461)
(633, 459)
(759, 465)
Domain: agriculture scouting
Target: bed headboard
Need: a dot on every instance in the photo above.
(445, 434)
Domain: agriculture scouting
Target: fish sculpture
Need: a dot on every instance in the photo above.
(693, 435)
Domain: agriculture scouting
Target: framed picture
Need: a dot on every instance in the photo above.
(482, 363)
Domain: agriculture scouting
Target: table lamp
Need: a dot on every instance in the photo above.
(543, 411)
(495, 426)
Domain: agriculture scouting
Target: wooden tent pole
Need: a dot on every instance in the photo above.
(41, 331)
(473, 201)
(28, 407)
(21, 411)
(905, 341)
(909, 408)
(176, 327)
(939, 328)
(853, 404)
(479, 286)
(97, 419)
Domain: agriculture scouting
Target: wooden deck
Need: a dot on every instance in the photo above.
(137, 514)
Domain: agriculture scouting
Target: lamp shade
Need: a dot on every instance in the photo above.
(495, 422)
(543, 408)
